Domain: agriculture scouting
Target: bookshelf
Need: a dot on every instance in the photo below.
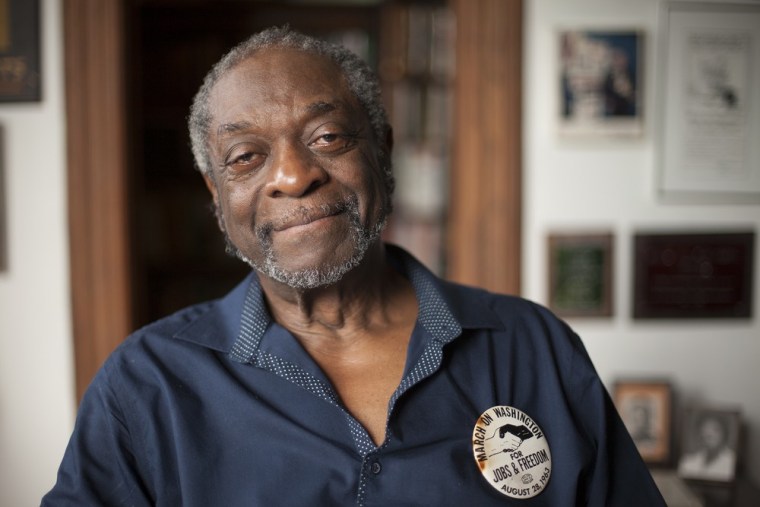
(416, 67)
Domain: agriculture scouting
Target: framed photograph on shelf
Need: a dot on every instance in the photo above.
(710, 444)
(600, 83)
(646, 409)
(580, 274)
(710, 102)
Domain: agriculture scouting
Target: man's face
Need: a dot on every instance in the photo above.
(296, 176)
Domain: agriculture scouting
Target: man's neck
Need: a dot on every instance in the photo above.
(369, 298)
(361, 324)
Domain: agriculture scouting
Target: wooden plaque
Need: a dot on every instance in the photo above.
(695, 276)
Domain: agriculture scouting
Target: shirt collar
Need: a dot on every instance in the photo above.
(444, 310)
(216, 325)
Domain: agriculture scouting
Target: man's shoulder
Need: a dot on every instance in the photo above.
(172, 324)
(210, 325)
(510, 318)
(186, 344)
(161, 336)
(508, 308)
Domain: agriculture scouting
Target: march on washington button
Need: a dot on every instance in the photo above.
(512, 452)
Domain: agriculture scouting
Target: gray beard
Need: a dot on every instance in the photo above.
(320, 276)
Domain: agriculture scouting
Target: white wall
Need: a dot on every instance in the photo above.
(611, 186)
(36, 377)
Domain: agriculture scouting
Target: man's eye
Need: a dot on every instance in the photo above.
(244, 160)
(332, 142)
(326, 139)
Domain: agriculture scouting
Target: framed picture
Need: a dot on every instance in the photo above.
(3, 205)
(19, 51)
(710, 98)
(710, 444)
(600, 82)
(693, 275)
(646, 409)
(580, 274)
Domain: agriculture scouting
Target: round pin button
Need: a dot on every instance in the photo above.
(511, 451)
(376, 467)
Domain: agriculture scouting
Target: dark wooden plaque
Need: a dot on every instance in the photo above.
(694, 276)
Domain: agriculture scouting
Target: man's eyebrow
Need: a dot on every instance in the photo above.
(231, 128)
(313, 109)
(321, 107)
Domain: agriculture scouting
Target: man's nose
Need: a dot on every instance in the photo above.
(295, 172)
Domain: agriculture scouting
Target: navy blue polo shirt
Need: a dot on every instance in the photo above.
(219, 405)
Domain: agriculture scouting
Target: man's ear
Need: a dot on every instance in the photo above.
(211, 185)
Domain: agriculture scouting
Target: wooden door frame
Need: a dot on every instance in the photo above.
(97, 181)
(483, 246)
(484, 229)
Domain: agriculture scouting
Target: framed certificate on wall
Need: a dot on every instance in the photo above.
(710, 102)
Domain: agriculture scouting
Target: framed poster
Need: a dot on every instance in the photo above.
(580, 274)
(705, 275)
(710, 444)
(3, 205)
(600, 83)
(710, 97)
(19, 51)
(646, 409)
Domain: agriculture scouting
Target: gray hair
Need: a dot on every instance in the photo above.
(362, 82)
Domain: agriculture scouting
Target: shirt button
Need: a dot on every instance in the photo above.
(376, 467)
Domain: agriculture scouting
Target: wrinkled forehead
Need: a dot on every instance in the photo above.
(277, 79)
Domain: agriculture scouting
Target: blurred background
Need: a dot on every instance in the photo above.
(105, 225)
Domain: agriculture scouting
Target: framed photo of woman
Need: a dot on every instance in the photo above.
(710, 444)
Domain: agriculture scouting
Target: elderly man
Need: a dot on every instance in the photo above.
(341, 371)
